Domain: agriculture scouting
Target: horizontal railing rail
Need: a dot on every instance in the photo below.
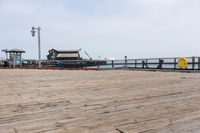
(143, 63)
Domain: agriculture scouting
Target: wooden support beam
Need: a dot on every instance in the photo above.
(193, 63)
(199, 63)
(126, 62)
(175, 63)
(113, 64)
(135, 63)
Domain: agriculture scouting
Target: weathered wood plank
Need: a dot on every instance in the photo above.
(98, 101)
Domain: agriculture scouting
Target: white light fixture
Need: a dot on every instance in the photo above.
(33, 31)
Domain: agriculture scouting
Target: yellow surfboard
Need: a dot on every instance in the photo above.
(182, 63)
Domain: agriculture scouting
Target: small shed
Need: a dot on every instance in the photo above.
(64, 54)
(15, 57)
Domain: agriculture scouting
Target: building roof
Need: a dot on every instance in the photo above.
(16, 50)
(66, 51)
(68, 55)
(4, 50)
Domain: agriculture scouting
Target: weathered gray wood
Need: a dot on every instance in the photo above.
(135, 63)
(113, 64)
(98, 101)
(193, 63)
(199, 63)
(175, 63)
(125, 61)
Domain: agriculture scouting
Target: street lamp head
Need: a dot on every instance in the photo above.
(33, 31)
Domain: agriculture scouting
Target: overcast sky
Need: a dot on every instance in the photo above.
(106, 28)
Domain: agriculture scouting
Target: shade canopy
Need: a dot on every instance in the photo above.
(15, 51)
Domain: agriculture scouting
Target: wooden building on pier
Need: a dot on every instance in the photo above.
(64, 54)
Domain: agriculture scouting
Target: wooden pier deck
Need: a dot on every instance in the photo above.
(56, 101)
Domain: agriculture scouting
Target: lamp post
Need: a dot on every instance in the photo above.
(33, 31)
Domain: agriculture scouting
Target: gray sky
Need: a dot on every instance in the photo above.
(106, 28)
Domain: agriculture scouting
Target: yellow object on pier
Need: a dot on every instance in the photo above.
(183, 63)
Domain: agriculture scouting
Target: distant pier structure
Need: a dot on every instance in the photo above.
(71, 59)
(64, 54)
(13, 57)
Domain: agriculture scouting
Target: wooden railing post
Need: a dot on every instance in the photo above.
(113, 64)
(98, 64)
(193, 63)
(199, 63)
(125, 61)
(174, 63)
(135, 63)
(146, 63)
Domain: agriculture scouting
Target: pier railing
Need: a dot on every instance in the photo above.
(151, 63)
(144, 63)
